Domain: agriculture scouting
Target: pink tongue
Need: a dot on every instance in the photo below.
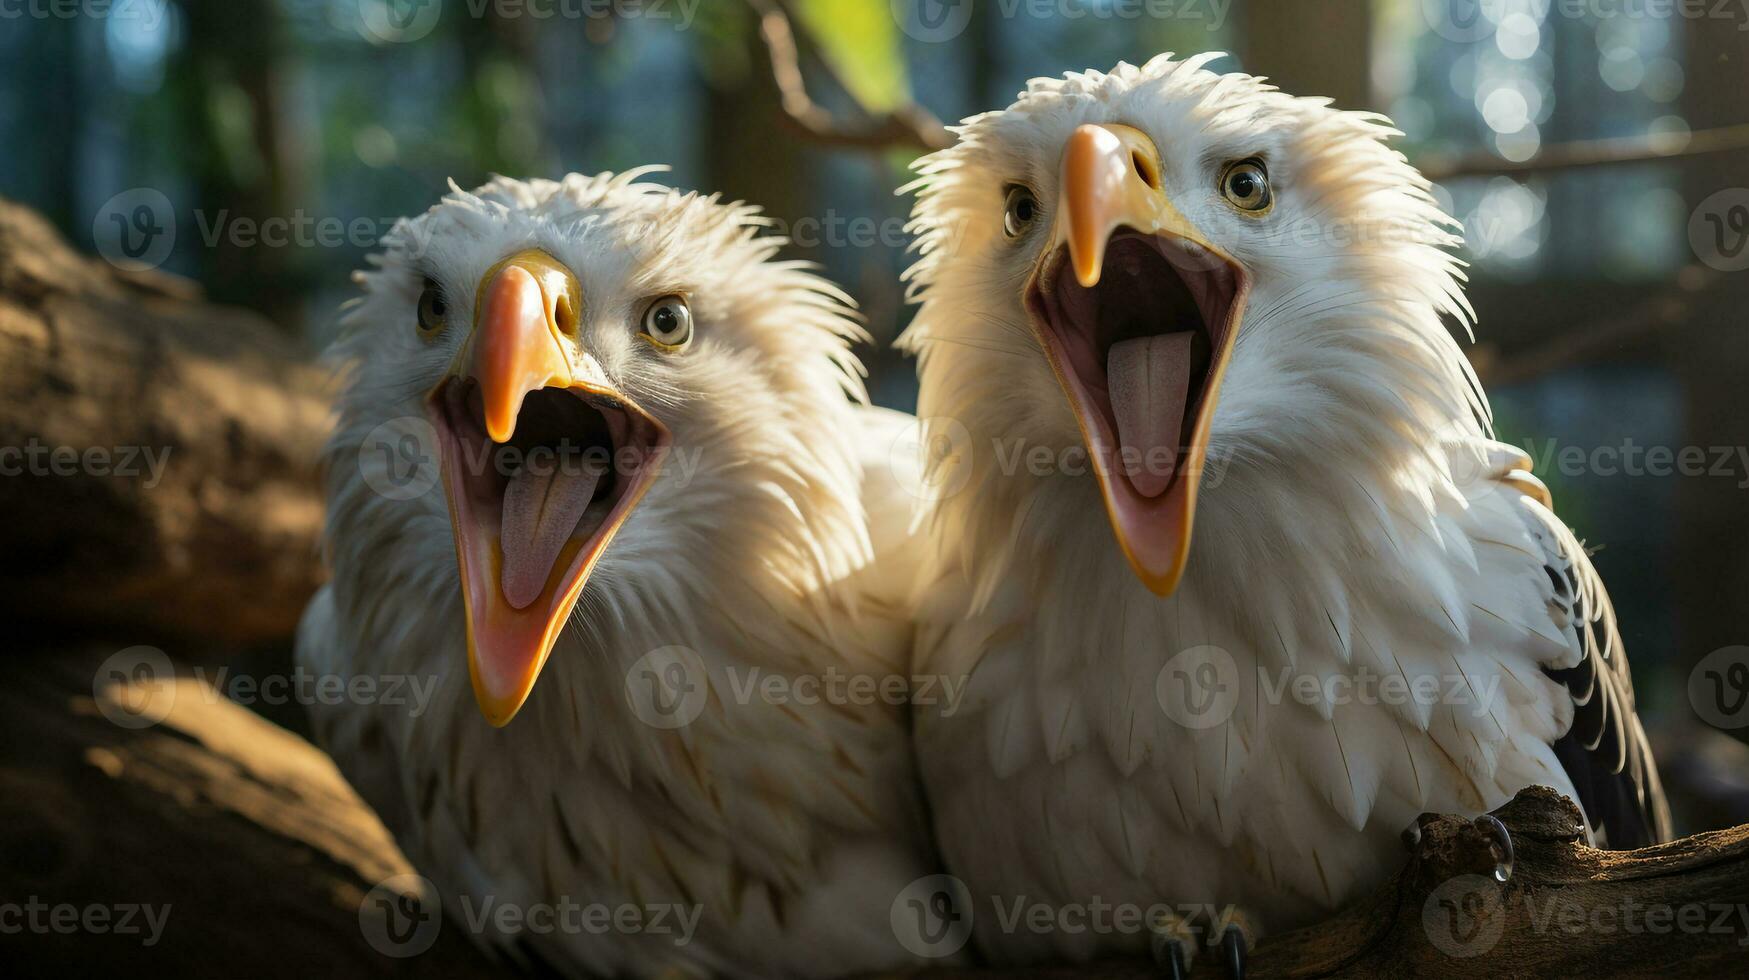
(1149, 380)
(540, 511)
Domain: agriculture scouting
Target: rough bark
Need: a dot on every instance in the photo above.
(1568, 910)
(265, 857)
(103, 372)
(247, 833)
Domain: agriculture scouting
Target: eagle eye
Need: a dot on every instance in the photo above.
(1019, 208)
(432, 308)
(668, 323)
(1246, 186)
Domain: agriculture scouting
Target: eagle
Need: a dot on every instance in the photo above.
(1220, 536)
(594, 432)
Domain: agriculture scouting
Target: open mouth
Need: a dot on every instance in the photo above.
(533, 514)
(1138, 350)
(1141, 354)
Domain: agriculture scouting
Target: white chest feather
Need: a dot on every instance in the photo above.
(1258, 739)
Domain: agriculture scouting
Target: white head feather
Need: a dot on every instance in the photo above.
(1341, 369)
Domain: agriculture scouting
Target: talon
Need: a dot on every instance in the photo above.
(1501, 845)
(1530, 486)
(1173, 957)
(1235, 934)
(1235, 948)
(1173, 944)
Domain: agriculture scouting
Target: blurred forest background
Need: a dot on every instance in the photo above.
(1610, 316)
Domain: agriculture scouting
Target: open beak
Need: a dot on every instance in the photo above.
(542, 461)
(1137, 313)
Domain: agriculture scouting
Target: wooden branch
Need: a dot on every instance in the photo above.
(157, 454)
(1585, 154)
(1674, 911)
(265, 855)
(909, 126)
(1669, 308)
(1568, 909)
(246, 832)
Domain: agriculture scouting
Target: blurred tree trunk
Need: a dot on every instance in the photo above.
(50, 169)
(503, 98)
(159, 466)
(230, 78)
(752, 153)
(1310, 48)
(1711, 356)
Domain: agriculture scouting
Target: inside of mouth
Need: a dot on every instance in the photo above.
(1138, 348)
(547, 492)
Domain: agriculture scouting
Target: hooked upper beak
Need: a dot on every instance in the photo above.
(1139, 339)
(542, 461)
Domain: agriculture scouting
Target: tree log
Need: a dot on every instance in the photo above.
(266, 857)
(251, 850)
(1676, 910)
(157, 454)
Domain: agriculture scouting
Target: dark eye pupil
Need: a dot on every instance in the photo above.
(437, 305)
(1244, 185)
(666, 320)
(1023, 209)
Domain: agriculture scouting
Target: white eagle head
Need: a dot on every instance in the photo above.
(629, 402)
(1207, 284)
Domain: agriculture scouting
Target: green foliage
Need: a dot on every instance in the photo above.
(860, 40)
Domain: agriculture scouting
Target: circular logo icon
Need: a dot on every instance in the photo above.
(1462, 21)
(399, 459)
(397, 21)
(932, 21)
(932, 458)
(1199, 688)
(1719, 230)
(1719, 688)
(401, 916)
(1465, 917)
(135, 687)
(668, 687)
(135, 229)
(932, 916)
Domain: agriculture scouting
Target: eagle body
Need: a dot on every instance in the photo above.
(1377, 615)
(782, 826)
